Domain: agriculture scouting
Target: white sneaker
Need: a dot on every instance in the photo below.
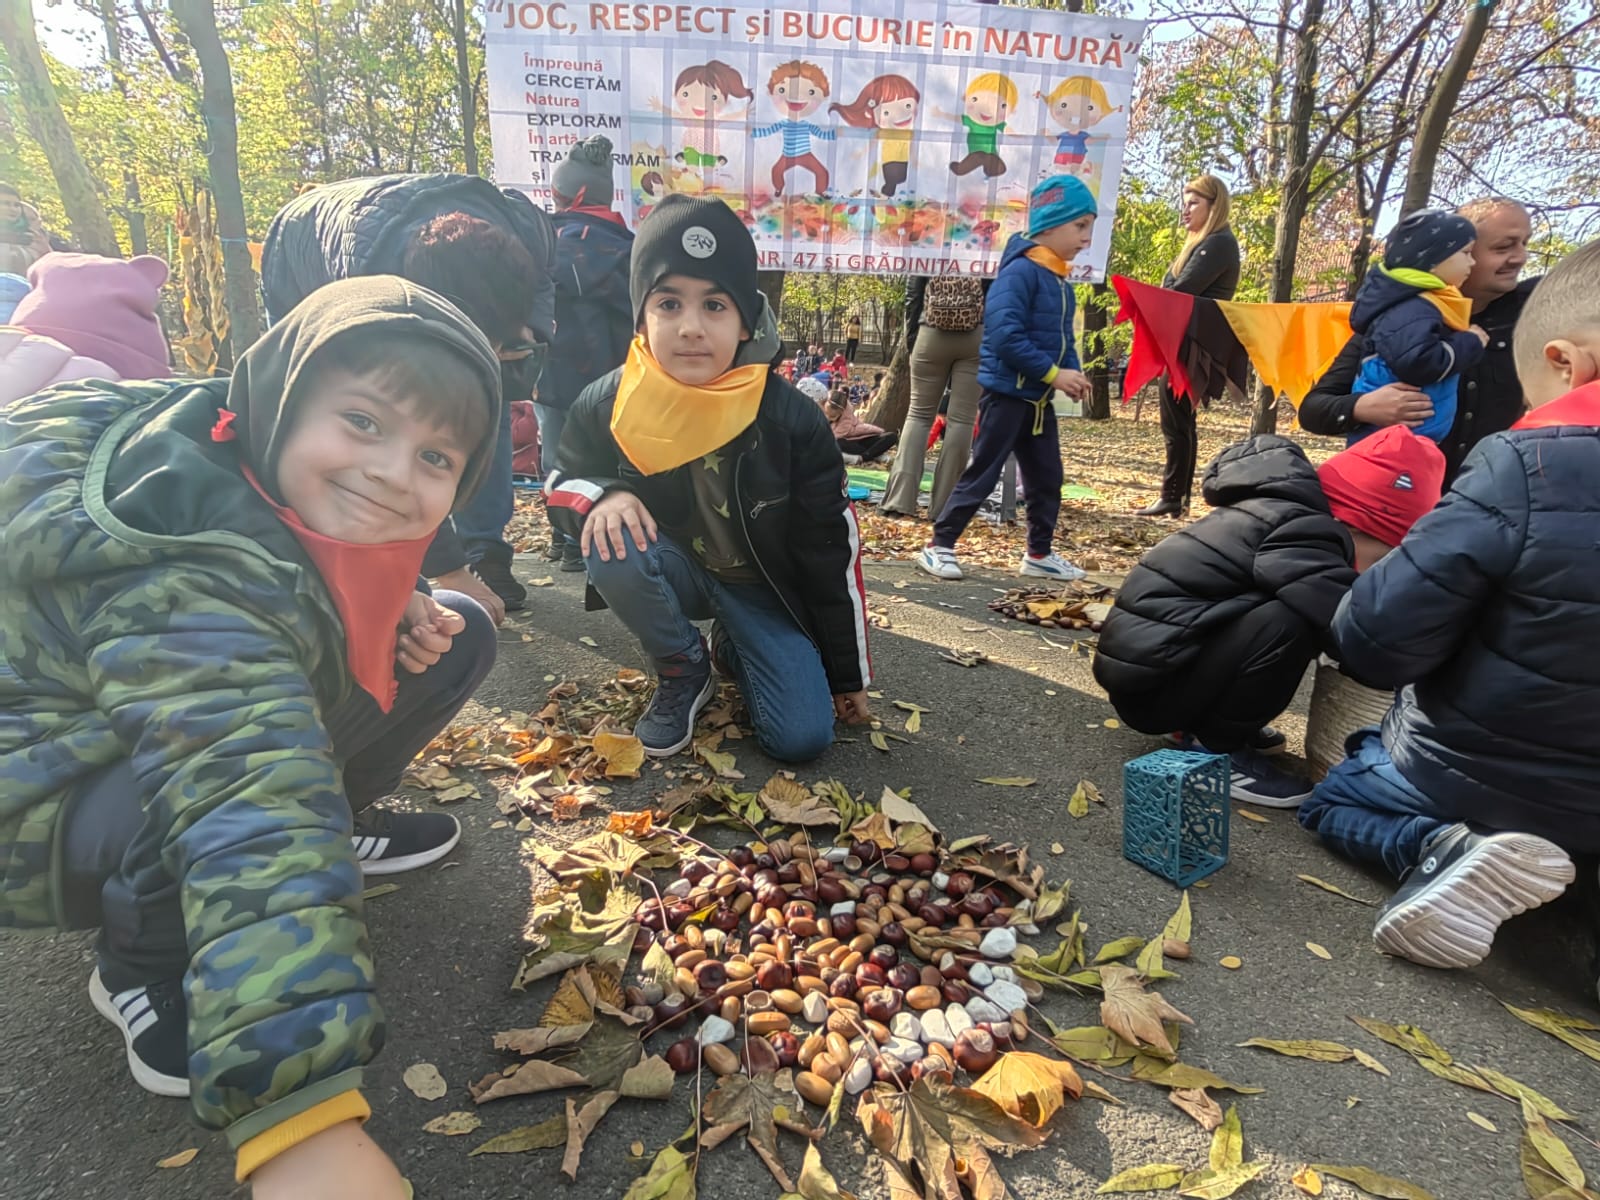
(851, 460)
(1051, 566)
(940, 562)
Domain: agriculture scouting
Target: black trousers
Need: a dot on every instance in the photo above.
(869, 446)
(1183, 445)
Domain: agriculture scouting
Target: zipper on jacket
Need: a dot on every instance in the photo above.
(755, 555)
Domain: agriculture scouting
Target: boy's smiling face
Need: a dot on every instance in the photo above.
(797, 97)
(359, 466)
(692, 328)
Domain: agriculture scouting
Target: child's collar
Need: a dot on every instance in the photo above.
(1049, 260)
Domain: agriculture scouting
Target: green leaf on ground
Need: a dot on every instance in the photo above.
(546, 1135)
(1227, 1144)
(1374, 1184)
(1215, 1184)
(1152, 1177)
(670, 1177)
(1560, 1026)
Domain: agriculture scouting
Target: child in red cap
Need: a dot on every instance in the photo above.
(1214, 629)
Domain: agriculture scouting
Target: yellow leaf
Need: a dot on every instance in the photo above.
(1227, 1144)
(1328, 887)
(622, 752)
(1556, 1154)
(878, 741)
(181, 1159)
(1009, 780)
(1329, 1052)
(1078, 805)
(425, 1081)
(1057, 848)
(589, 641)
(1030, 1086)
(454, 1124)
(1371, 1182)
(1214, 1185)
(1320, 951)
(1482, 1122)
(1152, 1177)
(631, 824)
(1370, 1063)
(914, 723)
(1251, 816)
(1133, 1014)
(1232, 961)
(1308, 1181)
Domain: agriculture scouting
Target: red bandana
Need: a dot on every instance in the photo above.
(1580, 407)
(370, 586)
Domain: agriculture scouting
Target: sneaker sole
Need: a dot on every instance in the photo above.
(1244, 795)
(410, 862)
(145, 1076)
(1453, 923)
(1040, 573)
(700, 701)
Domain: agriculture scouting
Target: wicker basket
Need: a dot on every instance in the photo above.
(1339, 707)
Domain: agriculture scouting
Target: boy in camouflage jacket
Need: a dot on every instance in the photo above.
(213, 657)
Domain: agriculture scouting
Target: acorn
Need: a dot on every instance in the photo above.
(1173, 948)
(924, 864)
(683, 1056)
(959, 885)
(786, 1046)
(881, 1004)
(814, 1045)
(720, 1059)
(813, 1088)
(975, 1051)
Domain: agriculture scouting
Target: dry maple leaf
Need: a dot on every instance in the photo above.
(760, 1105)
(623, 754)
(1030, 1086)
(1198, 1103)
(792, 803)
(944, 1133)
(1134, 1014)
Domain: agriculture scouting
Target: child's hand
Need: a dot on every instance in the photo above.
(1393, 404)
(611, 523)
(851, 708)
(341, 1163)
(426, 631)
(464, 581)
(1483, 334)
(1072, 383)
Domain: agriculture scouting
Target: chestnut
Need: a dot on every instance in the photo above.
(931, 1065)
(772, 895)
(786, 1046)
(789, 872)
(959, 884)
(898, 863)
(642, 1013)
(845, 987)
(642, 938)
(830, 890)
(936, 915)
(894, 934)
(676, 945)
(771, 975)
(995, 920)
(652, 917)
(671, 1011)
(978, 904)
(952, 967)
(844, 926)
(871, 975)
(684, 1056)
(888, 1069)
(741, 856)
(904, 976)
(765, 862)
(680, 911)
(725, 918)
(798, 908)
(884, 956)
(881, 1004)
(1001, 1032)
(975, 1051)
(955, 991)
(710, 975)
(759, 1057)
(694, 870)
(923, 864)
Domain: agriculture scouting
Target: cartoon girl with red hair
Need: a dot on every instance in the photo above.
(887, 105)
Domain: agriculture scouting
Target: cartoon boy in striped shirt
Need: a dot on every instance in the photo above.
(797, 89)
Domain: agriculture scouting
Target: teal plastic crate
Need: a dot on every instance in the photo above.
(1175, 813)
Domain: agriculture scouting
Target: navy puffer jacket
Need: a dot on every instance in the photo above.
(1408, 332)
(1027, 325)
(1487, 614)
(596, 326)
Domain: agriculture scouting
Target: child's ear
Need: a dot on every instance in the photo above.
(744, 334)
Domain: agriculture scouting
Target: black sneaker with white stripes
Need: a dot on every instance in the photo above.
(390, 842)
(1255, 780)
(155, 1028)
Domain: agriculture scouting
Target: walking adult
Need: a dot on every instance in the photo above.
(23, 240)
(852, 337)
(591, 276)
(944, 324)
(488, 250)
(1489, 398)
(1207, 265)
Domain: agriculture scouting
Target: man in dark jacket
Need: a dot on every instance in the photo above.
(1488, 398)
(485, 248)
(1214, 629)
(1485, 618)
(591, 276)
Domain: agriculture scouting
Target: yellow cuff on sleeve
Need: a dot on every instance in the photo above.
(1051, 377)
(264, 1147)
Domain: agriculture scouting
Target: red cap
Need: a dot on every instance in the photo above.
(1384, 483)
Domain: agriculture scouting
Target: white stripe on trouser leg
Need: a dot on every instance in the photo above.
(858, 599)
(137, 1028)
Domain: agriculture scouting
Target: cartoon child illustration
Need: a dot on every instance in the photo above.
(987, 103)
(700, 96)
(797, 89)
(889, 105)
(1076, 104)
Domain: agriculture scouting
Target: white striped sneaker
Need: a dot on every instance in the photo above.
(155, 1028)
(388, 842)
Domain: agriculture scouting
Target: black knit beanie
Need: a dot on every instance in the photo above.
(1424, 239)
(703, 239)
(585, 174)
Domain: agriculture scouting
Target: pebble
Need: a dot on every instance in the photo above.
(815, 1008)
(714, 1031)
(1007, 995)
(678, 888)
(936, 1029)
(836, 854)
(983, 1010)
(998, 943)
(940, 880)
(842, 909)
(858, 1078)
(905, 1025)
(958, 1019)
(1003, 972)
(904, 1050)
(980, 974)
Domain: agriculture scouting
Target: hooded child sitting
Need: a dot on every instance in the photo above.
(1415, 319)
(704, 487)
(1215, 627)
(216, 659)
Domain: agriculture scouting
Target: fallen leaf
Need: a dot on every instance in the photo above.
(758, 1106)
(622, 753)
(1094, 1044)
(901, 811)
(1328, 1052)
(1259, 820)
(1152, 1177)
(814, 1182)
(1112, 723)
(1078, 804)
(670, 1177)
(589, 641)
(425, 1081)
(454, 1124)
(1179, 928)
(1120, 948)
(719, 761)
(1374, 1184)
(942, 1134)
(1514, 1090)
(1214, 1184)
(1227, 1144)
(1337, 891)
(631, 824)
(181, 1159)
(914, 723)
(453, 795)
(581, 1123)
(1308, 1181)
(1367, 1061)
(1482, 1122)
(1321, 952)
(1197, 1102)
(1555, 1153)
(1009, 780)
(874, 829)
(1134, 1014)
(382, 889)
(794, 804)
(543, 581)
(534, 1076)
(879, 742)
(592, 923)
(1232, 961)
(1150, 1069)
(1560, 1026)
(1057, 848)
(546, 1135)
(1030, 1086)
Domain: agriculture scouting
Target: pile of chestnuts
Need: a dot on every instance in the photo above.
(819, 961)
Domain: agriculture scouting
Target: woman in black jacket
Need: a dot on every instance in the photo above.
(1208, 265)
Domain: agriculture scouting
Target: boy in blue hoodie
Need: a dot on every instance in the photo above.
(1414, 317)
(1027, 354)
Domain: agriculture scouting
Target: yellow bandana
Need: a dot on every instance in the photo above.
(1447, 298)
(1048, 259)
(660, 424)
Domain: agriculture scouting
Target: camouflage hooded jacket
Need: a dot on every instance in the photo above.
(153, 609)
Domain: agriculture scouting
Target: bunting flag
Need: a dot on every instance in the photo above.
(1201, 345)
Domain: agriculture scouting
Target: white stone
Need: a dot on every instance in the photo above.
(858, 1077)
(980, 974)
(678, 888)
(984, 1011)
(936, 1028)
(842, 909)
(1028, 930)
(814, 1008)
(959, 1021)
(1007, 995)
(904, 1050)
(1003, 972)
(836, 854)
(858, 1045)
(940, 879)
(998, 943)
(714, 1031)
(905, 1025)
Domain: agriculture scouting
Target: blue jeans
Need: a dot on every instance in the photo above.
(660, 593)
(1366, 810)
(482, 522)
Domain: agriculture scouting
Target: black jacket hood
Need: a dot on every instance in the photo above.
(1268, 467)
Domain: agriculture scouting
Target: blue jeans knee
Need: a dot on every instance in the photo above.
(800, 738)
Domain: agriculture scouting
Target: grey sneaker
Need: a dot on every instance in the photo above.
(682, 690)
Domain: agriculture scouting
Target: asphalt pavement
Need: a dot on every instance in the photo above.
(448, 944)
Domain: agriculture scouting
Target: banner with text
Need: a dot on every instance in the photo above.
(905, 141)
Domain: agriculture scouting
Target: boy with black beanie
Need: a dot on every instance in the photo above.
(701, 486)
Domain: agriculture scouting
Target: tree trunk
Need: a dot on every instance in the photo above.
(91, 225)
(132, 197)
(464, 90)
(198, 20)
(771, 285)
(1096, 320)
(1442, 104)
(894, 395)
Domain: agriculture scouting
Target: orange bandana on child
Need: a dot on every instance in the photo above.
(660, 423)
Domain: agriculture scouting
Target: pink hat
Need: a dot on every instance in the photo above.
(102, 308)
